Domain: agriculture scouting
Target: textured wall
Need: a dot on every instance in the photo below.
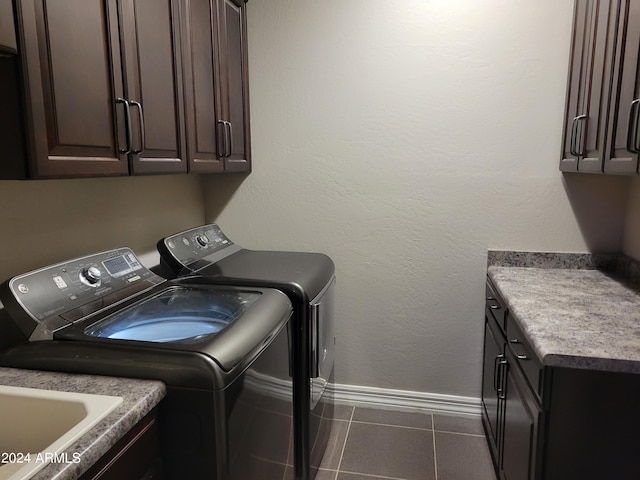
(632, 226)
(404, 139)
(47, 221)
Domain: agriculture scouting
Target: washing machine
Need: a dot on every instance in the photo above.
(308, 280)
(224, 353)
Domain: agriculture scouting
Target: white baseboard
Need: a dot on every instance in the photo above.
(389, 399)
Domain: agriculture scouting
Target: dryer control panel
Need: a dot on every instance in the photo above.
(196, 248)
(45, 300)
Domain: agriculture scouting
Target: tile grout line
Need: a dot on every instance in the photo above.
(344, 445)
(391, 425)
(435, 457)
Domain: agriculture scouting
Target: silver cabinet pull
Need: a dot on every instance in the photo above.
(632, 133)
(141, 118)
(574, 136)
(522, 357)
(127, 124)
(503, 368)
(496, 372)
(223, 140)
(230, 139)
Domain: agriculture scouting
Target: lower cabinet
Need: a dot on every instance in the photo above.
(521, 420)
(553, 423)
(511, 409)
(135, 457)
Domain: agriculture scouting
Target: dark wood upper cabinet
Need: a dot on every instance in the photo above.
(72, 72)
(216, 86)
(118, 87)
(623, 133)
(202, 97)
(232, 34)
(7, 28)
(602, 113)
(589, 85)
(153, 85)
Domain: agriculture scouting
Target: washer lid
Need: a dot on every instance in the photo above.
(177, 314)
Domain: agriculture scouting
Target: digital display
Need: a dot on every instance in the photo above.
(121, 265)
(116, 265)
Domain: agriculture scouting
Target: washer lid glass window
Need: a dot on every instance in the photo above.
(178, 314)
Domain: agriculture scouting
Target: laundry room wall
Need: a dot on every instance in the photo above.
(48, 221)
(405, 139)
(631, 244)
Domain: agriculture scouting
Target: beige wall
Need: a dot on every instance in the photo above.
(47, 221)
(404, 139)
(632, 225)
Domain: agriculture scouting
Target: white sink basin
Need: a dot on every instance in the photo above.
(36, 426)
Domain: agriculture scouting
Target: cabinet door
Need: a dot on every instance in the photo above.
(73, 75)
(492, 382)
(151, 40)
(589, 85)
(623, 131)
(7, 27)
(202, 101)
(520, 428)
(604, 24)
(234, 84)
(575, 85)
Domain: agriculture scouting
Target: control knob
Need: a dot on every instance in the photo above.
(91, 276)
(203, 240)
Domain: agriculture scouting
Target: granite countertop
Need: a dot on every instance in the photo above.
(139, 398)
(574, 316)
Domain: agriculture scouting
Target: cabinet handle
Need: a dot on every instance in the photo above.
(494, 307)
(632, 133)
(522, 357)
(515, 340)
(223, 139)
(502, 368)
(141, 118)
(574, 136)
(230, 139)
(127, 124)
(496, 371)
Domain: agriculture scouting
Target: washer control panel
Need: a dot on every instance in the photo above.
(197, 247)
(50, 298)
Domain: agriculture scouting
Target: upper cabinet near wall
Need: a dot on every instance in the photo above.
(7, 28)
(117, 87)
(216, 86)
(603, 92)
(623, 133)
(589, 83)
(232, 38)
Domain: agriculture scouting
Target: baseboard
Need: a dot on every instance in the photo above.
(404, 400)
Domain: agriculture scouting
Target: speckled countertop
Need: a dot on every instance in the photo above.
(139, 398)
(574, 316)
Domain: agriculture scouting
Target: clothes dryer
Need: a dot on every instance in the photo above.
(308, 280)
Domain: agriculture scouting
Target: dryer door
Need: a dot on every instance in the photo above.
(322, 341)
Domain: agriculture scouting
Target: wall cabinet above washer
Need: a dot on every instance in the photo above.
(216, 85)
(99, 90)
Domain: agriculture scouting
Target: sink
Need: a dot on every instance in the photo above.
(36, 426)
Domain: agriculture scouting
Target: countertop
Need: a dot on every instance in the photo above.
(574, 317)
(139, 398)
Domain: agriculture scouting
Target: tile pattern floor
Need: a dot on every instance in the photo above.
(372, 444)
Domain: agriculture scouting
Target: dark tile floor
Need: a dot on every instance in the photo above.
(370, 444)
